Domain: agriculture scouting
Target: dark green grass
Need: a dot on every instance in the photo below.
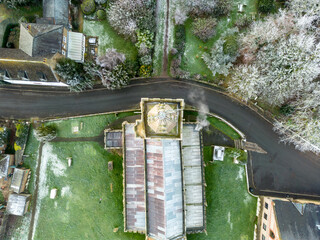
(91, 126)
(224, 128)
(231, 210)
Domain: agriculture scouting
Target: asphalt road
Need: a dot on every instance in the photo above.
(283, 172)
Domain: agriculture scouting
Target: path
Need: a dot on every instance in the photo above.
(35, 194)
(165, 47)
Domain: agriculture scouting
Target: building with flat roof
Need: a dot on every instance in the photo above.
(163, 172)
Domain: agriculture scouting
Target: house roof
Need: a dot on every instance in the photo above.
(193, 178)
(76, 46)
(40, 40)
(5, 162)
(135, 209)
(17, 204)
(35, 71)
(293, 225)
(164, 189)
(16, 54)
(57, 9)
(18, 179)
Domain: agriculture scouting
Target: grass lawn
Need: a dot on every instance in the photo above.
(108, 38)
(91, 126)
(76, 213)
(194, 48)
(224, 128)
(231, 211)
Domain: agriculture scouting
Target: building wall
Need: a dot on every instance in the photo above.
(25, 41)
(268, 222)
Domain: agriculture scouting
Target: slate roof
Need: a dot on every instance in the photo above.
(17, 204)
(35, 71)
(40, 40)
(58, 10)
(16, 54)
(135, 209)
(113, 139)
(164, 189)
(193, 178)
(293, 225)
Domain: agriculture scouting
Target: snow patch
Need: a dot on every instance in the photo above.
(230, 223)
(240, 174)
(65, 191)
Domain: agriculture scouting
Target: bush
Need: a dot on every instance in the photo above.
(88, 7)
(204, 28)
(286, 109)
(223, 7)
(101, 14)
(46, 133)
(243, 21)
(230, 45)
(117, 78)
(266, 6)
(144, 42)
(180, 38)
(145, 71)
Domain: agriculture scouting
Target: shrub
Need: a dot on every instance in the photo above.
(101, 2)
(230, 45)
(144, 42)
(111, 59)
(46, 133)
(223, 7)
(146, 60)
(101, 14)
(266, 6)
(204, 28)
(117, 78)
(145, 71)
(73, 74)
(243, 21)
(286, 109)
(4, 134)
(88, 7)
(180, 38)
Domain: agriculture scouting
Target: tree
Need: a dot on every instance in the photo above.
(304, 7)
(127, 16)
(74, 75)
(218, 61)
(88, 7)
(46, 133)
(204, 28)
(111, 59)
(4, 134)
(302, 127)
(15, 3)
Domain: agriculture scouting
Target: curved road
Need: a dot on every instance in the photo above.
(283, 172)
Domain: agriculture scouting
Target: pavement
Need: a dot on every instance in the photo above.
(282, 172)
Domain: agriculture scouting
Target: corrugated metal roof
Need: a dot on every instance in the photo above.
(76, 46)
(17, 180)
(164, 185)
(193, 179)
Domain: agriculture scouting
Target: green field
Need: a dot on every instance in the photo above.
(108, 38)
(231, 211)
(77, 212)
(88, 126)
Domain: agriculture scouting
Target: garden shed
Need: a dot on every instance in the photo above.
(6, 161)
(19, 180)
(18, 204)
